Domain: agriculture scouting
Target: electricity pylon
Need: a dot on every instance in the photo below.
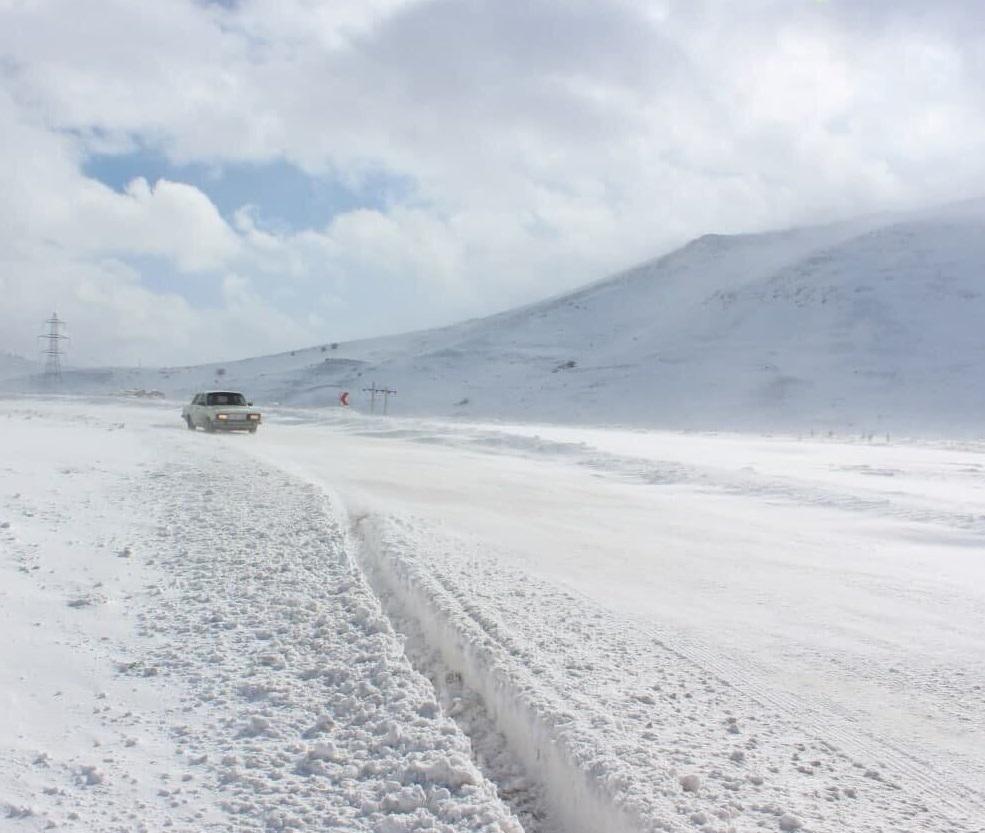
(51, 348)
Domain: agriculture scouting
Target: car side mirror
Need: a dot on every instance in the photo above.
(249, 404)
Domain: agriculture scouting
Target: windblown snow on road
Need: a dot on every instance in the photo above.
(194, 649)
(347, 623)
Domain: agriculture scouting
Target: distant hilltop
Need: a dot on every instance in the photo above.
(865, 326)
(13, 366)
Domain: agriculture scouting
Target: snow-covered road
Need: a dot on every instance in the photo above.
(189, 646)
(637, 631)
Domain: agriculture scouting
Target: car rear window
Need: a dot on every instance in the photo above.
(226, 399)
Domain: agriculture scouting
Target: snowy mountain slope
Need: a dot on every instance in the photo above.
(873, 325)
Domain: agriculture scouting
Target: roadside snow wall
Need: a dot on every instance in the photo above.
(582, 798)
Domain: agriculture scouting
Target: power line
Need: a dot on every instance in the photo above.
(374, 391)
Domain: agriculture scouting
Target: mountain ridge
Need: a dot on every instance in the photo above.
(864, 325)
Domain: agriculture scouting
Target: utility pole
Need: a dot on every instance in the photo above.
(373, 392)
(51, 348)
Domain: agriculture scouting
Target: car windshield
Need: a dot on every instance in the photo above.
(226, 399)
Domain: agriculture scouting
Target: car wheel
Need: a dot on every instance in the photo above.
(209, 427)
(189, 423)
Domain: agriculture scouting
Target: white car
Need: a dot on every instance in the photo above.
(220, 410)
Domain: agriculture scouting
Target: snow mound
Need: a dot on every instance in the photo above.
(286, 642)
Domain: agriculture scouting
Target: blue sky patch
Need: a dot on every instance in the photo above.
(288, 199)
(159, 275)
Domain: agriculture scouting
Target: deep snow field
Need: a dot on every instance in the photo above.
(359, 624)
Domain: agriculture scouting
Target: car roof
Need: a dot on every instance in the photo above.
(207, 392)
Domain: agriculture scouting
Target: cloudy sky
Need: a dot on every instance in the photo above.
(187, 180)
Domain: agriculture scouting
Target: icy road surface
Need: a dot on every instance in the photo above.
(631, 631)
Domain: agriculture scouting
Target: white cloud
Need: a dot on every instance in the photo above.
(169, 219)
(547, 142)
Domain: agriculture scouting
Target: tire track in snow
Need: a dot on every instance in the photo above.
(562, 798)
(300, 708)
(937, 785)
(523, 792)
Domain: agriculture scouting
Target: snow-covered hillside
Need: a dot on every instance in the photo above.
(866, 326)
